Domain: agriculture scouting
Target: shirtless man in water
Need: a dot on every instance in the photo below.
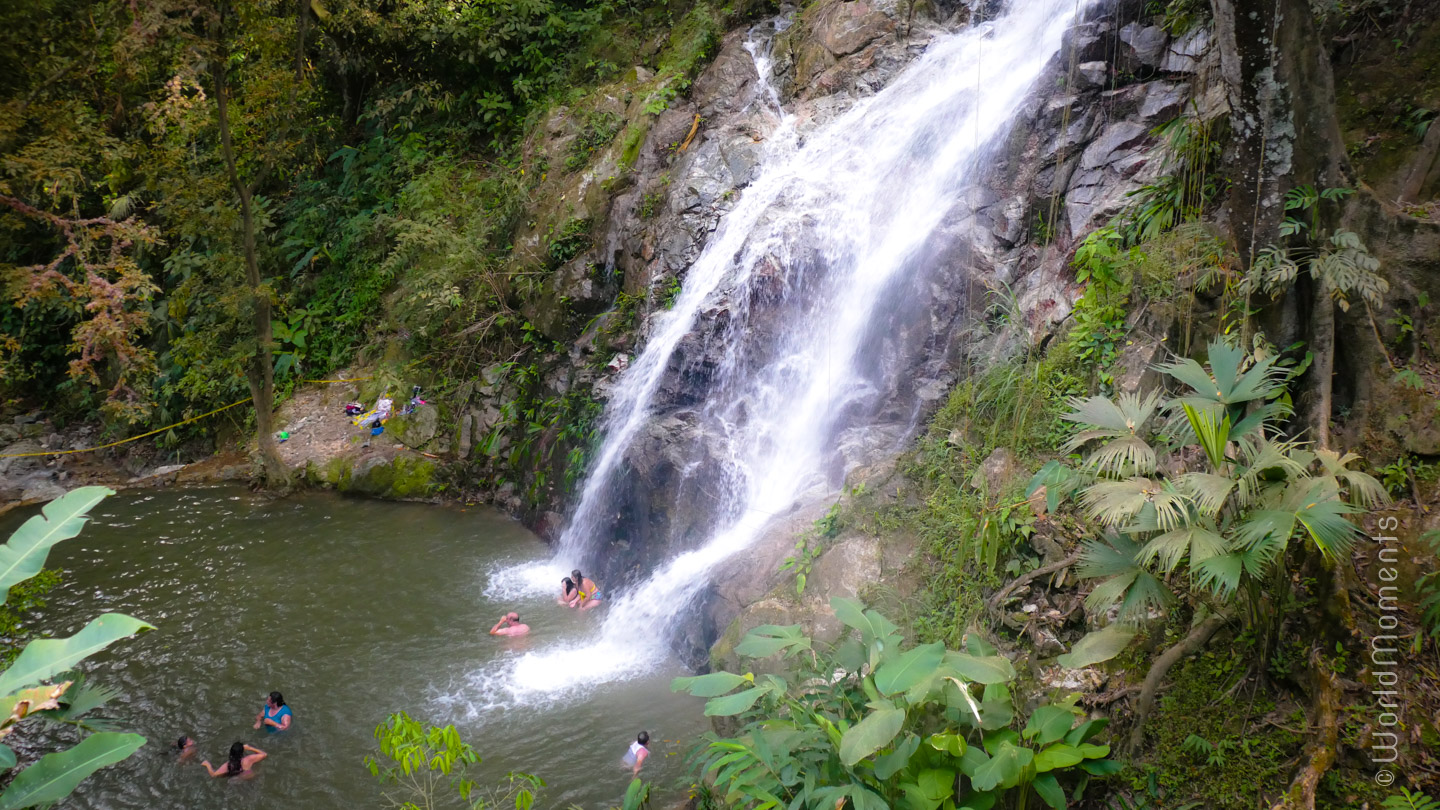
(509, 625)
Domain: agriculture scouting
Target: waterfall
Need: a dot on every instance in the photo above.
(844, 213)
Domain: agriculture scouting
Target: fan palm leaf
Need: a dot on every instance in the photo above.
(1208, 491)
(1120, 422)
(1224, 382)
(1117, 502)
(1361, 488)
(1200, 542)
(1125, 581)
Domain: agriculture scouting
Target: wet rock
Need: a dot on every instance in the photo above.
(1147, 43)
(1092, 75)
(1187, 54)
(40, 491)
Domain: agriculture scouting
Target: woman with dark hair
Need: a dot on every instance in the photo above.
(589, 596)
(274, 715)
(568, 591)
(239, 762)
(186, 746)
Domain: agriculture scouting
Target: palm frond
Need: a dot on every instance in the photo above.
(1116, 502)
(1361, 488)
(1199, 542)
(1129, 455)
(1113, 555)
(1208, 491)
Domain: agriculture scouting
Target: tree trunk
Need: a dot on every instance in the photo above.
(1282, 112)
(260, 372)
(1188, 646)
(1421, 166)
(1322, 366)
(1321, 751)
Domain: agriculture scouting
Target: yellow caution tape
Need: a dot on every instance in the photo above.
(160, 430)
(131, 439)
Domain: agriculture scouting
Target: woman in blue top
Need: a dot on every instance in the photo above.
(276, 715)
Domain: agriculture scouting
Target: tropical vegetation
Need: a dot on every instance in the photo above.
(41, 683)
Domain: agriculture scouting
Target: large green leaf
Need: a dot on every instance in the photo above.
(895, 761)
(987, 670)
(871, 734)
(929, 790)
(731, 705)
(61, 519)
(1086, 730)
(1048, 789)
(768, 639)
(708, 686)
(1004, 767)
(1059, 755)
(1101, 645)
(1048, 724)
(904, 671)
(872, 626)
(7, 758)
(56, 775)
(46, 657)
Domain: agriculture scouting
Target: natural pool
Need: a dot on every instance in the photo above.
(353, 609)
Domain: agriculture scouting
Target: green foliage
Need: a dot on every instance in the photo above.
(38, 683)
(1102, 263)
(810, 546)
(56, 775)
(1211, 486)
(1188, 155)
(870, 723)
(1427, 587)
(1337, 261)
(22, 599)
(422, 765)
(1405, 800)
(1257, 756)
(600, 129)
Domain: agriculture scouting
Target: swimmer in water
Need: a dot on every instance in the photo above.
(638, 752)
(239, 762)
(568, 591)
(509, 625)
(186, 746)
(274, 715)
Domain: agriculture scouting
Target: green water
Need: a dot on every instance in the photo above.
(352, 609)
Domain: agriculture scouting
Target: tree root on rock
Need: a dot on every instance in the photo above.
(1324, 744)
(1000, 596)
(1191, 644)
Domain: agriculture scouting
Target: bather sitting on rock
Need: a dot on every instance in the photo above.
(509, 625)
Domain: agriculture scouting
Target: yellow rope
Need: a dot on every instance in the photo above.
(131, 439)
(160, 430)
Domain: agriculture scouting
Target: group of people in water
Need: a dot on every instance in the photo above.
(274, 716)
(577, 591)
(580, 592)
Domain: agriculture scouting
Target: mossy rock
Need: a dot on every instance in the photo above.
(400, 478)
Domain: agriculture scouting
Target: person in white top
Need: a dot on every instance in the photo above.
(635, 757)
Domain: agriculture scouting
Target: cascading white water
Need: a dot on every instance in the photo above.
(858, 199)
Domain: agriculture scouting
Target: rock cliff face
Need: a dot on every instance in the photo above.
(1081, 144)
